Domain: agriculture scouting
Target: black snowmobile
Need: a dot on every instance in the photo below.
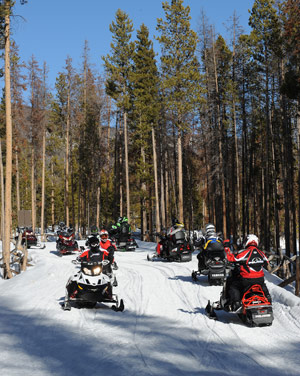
(255, 308)
(172, 248)
(214, 263)
(91, 285)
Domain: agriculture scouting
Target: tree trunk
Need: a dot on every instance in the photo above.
(157, 219)
(67, 154)
(18, 180)
(33, 193)
(180, 176)
(52, 196)
(221, 167)
(167, 189)
(144, 196)
(43, 183)
(8, 171)
(2, 198)
(126, 167)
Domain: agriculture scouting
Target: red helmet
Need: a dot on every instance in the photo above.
(103, 235)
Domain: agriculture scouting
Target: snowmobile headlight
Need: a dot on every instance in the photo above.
(97, 270)
(87, 271)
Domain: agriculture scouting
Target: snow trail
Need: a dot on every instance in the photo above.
(163, 330)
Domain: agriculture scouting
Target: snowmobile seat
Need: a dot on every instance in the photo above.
(215, 249)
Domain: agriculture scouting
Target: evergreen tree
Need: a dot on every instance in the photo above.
(118, 67)
(180, 74)
(146, 109)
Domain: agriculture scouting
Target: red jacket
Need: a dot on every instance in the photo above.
(253, 262)
(109, 253)
(229, 255)
(85, 256)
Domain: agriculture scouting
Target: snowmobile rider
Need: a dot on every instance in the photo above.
(94, 233)
(124, 230)
(162, 248)
(212, 243)
(248, 272)
(229, 250)
(176, 226)
(97, 253)
(107, 246)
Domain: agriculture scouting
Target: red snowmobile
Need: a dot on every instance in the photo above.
(29, 238)
(255, 309)
(66, 243)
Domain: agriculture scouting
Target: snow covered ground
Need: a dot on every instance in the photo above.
(163, 330)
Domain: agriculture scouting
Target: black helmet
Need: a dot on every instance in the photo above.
(62, 224)
(94, 230)
(174, 221)
(94, 244)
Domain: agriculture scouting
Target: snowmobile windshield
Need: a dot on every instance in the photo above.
(91, 268)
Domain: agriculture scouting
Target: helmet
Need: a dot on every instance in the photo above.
(94, 244)
(211, 235)
(251, 240)
(174, 221)
(119, 219)
(226, 243)
(94, 230)
(210, 228)
(61, 224)
(103, 235)
(125, 219)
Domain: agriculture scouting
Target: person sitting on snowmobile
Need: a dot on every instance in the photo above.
(176, 226)
(97, 253)
(229, 250)
(213, 243)
(162, 248)
(124, 230)
(94, 233)
(107, 246)
(248, 272)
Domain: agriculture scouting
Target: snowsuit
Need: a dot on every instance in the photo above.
(250, 272)
(124, 232)
(228, 251)
(103, 254)
(162, 248)
(109, 249)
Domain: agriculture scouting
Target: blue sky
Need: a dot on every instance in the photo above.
(53, 29)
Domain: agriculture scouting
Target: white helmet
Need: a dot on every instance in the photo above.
(251, 240)
(210, 228)
(103, 235)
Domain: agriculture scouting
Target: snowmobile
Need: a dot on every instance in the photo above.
(30, 239)
(66, 243)
(90, 285)
(215, 264)
(126, 246)
(255, 308)
(172, 248)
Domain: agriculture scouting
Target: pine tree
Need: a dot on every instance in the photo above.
(118, 66)
(146, 109)
(180, 74)
(265, 36)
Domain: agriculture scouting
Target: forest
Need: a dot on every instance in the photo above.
(206, 129)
